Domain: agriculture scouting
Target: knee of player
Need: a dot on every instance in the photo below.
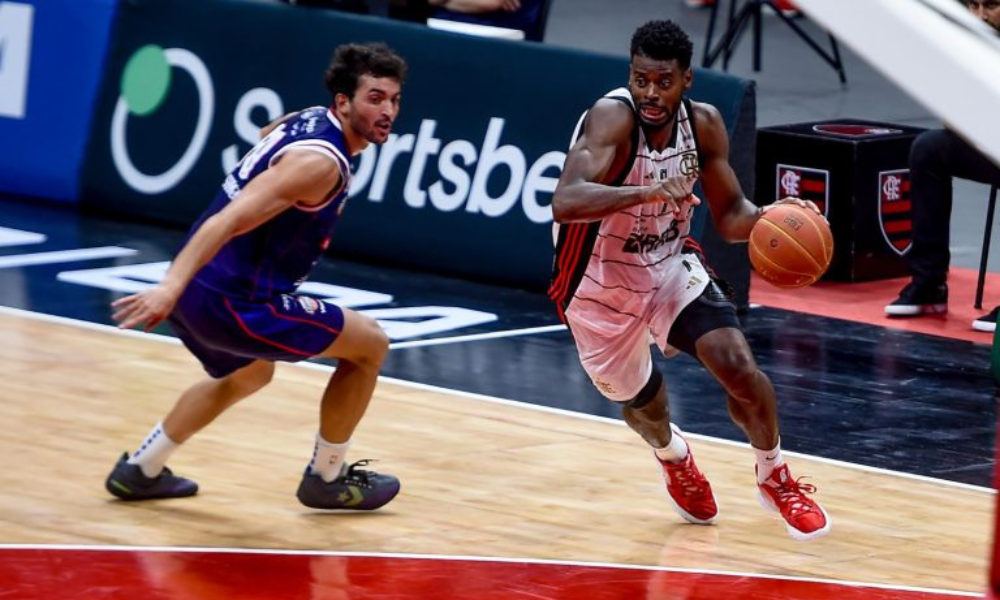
(263, 374)
(376, 345)
(252, 377)
(653, 392)
(740, 375)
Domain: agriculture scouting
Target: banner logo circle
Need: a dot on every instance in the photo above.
(144, 86)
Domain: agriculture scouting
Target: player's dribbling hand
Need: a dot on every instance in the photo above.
(676, 192)
(798, 202)
(147, 309)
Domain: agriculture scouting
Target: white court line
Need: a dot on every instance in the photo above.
(475, 337)
(62, 256)
(19, 237)
(493, 559)
(493, 399)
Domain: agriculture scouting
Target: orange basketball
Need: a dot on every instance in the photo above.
(791, 246)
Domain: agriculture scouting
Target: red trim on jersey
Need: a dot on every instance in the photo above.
(691, 244)
(560, 263)
(255, 336)
(568, 255)
(300, 320)
(572, 255)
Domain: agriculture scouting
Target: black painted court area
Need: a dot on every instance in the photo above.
(847, 391)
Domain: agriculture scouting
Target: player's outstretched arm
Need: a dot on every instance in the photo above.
(300, 177)
(583, 193)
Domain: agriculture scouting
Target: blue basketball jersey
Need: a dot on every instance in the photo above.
(276, 257)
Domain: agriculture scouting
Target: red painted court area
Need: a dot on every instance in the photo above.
(86, 572)
(864, 302)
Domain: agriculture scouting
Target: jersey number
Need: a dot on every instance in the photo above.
(251, 158)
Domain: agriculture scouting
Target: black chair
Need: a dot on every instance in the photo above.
(984, 257)
(751, 13)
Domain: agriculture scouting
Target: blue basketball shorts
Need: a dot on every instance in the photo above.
(227, 334)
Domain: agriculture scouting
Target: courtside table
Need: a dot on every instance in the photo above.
(857, 172)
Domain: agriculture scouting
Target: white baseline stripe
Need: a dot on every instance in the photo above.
(493, 559)
(58, 256)
(475, 337)
(483, 398)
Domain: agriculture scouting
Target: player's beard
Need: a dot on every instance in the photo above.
(376, 132)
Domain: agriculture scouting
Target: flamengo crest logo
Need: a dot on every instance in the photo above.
(804, 183)
(895, 209)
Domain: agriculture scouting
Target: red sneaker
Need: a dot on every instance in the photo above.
(689, 490)
(804, 518)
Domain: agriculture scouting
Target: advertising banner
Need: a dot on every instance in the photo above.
(51, 55)
(462, 187)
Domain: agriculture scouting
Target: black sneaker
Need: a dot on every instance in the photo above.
(354, 489)
(987, 323)
(917, 299)
(128, 482)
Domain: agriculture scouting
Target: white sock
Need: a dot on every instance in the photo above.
(152, 455)
(676, 450)
(328, 458)
(768, 461)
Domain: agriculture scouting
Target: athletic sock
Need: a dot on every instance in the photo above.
(328, 458)
(676, 450)
(768, 461)
(152, 455)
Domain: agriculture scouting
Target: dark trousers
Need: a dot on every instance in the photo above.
(937, 156)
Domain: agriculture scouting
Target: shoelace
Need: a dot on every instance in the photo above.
(792, 494)
(690, 481)
(358, 475)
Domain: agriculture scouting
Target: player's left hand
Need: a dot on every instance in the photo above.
(146, 309)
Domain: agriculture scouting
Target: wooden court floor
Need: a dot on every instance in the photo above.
(481, 477)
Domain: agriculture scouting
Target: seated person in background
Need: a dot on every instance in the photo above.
(936, 157)
(524, 15)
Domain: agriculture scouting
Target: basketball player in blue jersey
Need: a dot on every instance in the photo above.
(230, 294)
(627, 273)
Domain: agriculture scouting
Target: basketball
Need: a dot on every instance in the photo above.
(791, 246)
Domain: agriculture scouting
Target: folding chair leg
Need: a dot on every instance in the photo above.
(984, 257)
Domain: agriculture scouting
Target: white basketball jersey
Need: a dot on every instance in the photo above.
(625, 258)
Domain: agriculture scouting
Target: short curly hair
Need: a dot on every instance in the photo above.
(663, 40)
(351, 61)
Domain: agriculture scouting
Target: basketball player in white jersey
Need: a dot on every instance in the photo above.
(627, 273)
